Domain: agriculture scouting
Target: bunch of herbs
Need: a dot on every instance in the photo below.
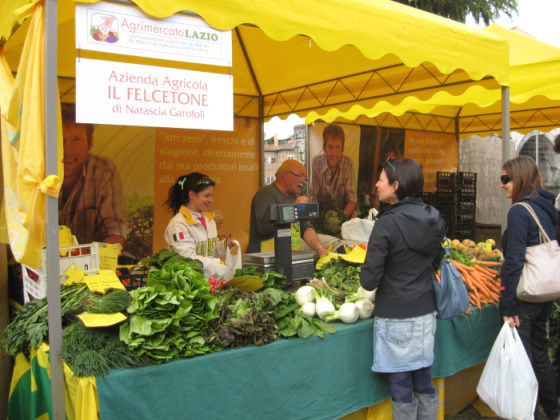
(93, 351)
(29, 328)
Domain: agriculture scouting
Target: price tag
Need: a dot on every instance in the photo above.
(101, 320)
(99, 281)
(73, 274)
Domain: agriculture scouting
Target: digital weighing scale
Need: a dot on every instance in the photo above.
(295, 265)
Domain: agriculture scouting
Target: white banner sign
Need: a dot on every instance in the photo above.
(120, 29)
(115, 93)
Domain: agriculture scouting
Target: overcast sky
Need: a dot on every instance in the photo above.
(538, 18)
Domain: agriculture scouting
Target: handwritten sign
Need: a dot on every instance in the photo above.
(99, 281)
(101, 320)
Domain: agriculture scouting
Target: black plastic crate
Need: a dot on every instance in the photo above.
(443, 201)
(133, 281)
(445, 181)
(465, 180)
(466, 196)
(465, 221)
(428, 198)
(463, 233)
(466, 208)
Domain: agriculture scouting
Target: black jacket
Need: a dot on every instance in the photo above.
(522, 231)
(403, 249)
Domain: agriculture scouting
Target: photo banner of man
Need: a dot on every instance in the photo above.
(334, 151)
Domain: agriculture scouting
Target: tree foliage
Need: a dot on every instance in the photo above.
(458, 10)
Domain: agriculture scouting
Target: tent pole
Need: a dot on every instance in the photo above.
(51, 210)
(505, 149)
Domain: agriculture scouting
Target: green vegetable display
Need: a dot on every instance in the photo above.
(29, 327)
(165, 256)
(341, 274)
(168, 318)
(330, 218)
(270, 278)
(93, 351)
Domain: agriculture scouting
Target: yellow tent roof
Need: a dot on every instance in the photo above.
(534, 98)
(316, 54)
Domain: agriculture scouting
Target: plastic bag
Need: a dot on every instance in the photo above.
(508, 384)
(356, 231)
(452, 298)
(234, 257)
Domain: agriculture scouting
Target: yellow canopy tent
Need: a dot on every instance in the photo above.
(320, 54)
(534, 98)
(289, 57)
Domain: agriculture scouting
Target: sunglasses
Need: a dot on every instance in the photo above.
(504, 179)
(389, 160)
(205, 180)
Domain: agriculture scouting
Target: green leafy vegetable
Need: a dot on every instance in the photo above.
(269, 278)
(330, 217)
(341, 274)
(169, 317)
(166, 256)
(29, 327)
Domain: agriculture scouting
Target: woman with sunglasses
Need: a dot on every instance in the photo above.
(192, 231)
(522, 181)
(403, 250)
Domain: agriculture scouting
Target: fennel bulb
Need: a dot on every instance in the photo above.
(361, 293)
(347, 313)
(304, 294)
(323, 306)
(308, 309)
(365, 308)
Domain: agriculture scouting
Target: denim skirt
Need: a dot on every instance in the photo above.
(403, 345)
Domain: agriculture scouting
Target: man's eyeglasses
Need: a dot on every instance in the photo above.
(504, 179)
(300, 176)
(389, 160)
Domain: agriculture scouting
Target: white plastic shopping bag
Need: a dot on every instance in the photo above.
(508, 384)
(356, 231)
(234, 257)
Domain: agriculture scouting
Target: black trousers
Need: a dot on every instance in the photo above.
(532, 331)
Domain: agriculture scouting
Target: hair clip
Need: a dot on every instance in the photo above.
(182, 183)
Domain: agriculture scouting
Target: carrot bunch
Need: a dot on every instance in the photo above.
(482, 281)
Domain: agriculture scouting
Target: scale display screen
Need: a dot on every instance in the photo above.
(288, 213)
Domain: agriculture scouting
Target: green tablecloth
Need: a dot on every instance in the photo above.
(287, 379)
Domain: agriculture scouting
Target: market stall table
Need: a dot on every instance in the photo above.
(286, 379)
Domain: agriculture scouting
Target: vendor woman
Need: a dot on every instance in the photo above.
(192, 231)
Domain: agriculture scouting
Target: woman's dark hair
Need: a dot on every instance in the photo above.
(557, 144)
(408, 174)
(179, 192)
(525, 174)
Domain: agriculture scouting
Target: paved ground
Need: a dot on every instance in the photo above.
(470, 413)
